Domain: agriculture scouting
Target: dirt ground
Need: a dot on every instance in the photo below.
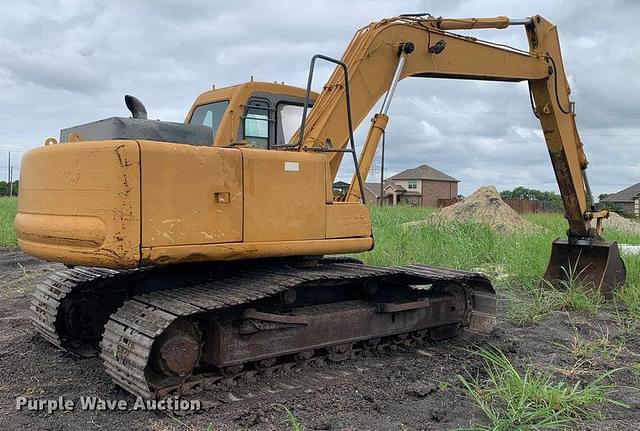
(402, 390)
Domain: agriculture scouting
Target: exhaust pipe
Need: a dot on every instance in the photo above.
(595, 263)
(136, 107)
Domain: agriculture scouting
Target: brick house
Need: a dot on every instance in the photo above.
(392, 192)
(627, 201)
(421, 186)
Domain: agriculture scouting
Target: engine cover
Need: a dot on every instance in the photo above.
(116, 128)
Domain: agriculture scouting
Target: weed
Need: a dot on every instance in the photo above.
(629, 294)
(535, 306)
(574, 293)
(530, 400)
(24, 271)
(635, 370)
(443, 386)
(181, 423)
(600, 347)
(293, 421)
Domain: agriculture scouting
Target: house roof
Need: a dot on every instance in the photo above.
(423, 172)
(375, 187)
(625, 195)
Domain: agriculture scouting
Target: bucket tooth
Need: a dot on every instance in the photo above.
(596, 263)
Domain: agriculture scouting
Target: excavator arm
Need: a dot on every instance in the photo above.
(385, 52)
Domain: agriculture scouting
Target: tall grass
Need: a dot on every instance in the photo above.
(519, 259)
(8, 208)
(629, 295)
(522, 257)
(512, 399)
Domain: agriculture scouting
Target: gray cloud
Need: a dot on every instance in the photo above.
(64, 63)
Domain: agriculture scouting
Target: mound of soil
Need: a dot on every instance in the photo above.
(617, 222)
(483, 206)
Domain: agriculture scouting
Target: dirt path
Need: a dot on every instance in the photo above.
(403, 390)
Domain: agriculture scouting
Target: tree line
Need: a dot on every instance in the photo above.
(4, 188)
(523, 193)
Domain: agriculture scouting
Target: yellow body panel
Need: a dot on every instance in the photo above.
(238, 251)
(80, 203)
(284, 195)
(347, 219)
(190, 195)
(123, 204)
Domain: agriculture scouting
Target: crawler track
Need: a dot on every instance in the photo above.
(69, 308)
(55, 292)
(76, 308)
(130, 335)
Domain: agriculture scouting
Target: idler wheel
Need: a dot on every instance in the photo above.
(177, 350)
(84, 318)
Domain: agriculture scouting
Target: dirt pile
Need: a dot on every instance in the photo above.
(483, 206)
(619, 223)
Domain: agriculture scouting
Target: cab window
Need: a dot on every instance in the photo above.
(256, 124)
(289, 118)
(209, 115)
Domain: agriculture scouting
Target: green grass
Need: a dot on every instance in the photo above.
(291, 418)
(528, 400)
(601, 347)
(469, 246)
(509, 260)
(629, 295)
(529, 307)
(635, 370)
(7, 214)
(572, 293)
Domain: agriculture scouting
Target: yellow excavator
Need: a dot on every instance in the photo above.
(200, 252)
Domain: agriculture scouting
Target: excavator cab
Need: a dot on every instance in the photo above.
(594, 264)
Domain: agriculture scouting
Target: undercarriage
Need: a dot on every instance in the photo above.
(184, 329)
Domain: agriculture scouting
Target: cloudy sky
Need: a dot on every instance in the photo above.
(68, 62)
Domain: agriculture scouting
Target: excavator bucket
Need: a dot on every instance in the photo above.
(596, 263)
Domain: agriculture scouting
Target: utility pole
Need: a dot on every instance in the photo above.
(9, 167)
(11, 181)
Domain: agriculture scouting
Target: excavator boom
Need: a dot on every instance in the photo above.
(390, 50)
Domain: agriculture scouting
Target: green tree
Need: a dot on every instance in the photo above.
(523, 193)
(4, 188)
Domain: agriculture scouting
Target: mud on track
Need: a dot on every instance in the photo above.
(408, 389)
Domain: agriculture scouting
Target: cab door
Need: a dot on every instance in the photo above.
(257, 124)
